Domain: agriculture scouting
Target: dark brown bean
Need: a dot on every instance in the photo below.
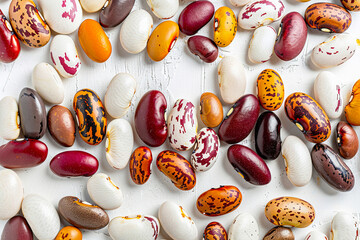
(279, 233)
(203, 47)
(61, 125)
(347, 140)
(115, 12)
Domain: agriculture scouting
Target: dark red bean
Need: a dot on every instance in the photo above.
(203, 47)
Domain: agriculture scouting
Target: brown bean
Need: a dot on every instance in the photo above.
(61, 125)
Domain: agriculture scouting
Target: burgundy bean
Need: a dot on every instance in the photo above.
(267, 136)
(249, 165)
(240, 119)
(347, 140)
(115, 12)
(292, 36)
(203, 47)
(332, 168)
(74, 164)
(9, 44)
(150, 123)
(23, 153)
(195, 16)
(17, 228)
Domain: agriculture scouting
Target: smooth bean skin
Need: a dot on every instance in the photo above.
(347, 140)
(115, 12)
(332, 168)
(150, 122)
(9, 43)
(215, 231)
(249, 165)
(267, 136)
(328, 17)
(270, 88)
(279, 233)
(23, 153)
(225, 26)
(292, 37)
(352, 109)
(204, 48)
(240, 119)
(351, 5)
(211, 111)
(17, 228)
(74, 164)
(140, 165)
(69, 233)
(195, 16)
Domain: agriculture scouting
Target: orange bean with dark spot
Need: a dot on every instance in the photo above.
(140, 165)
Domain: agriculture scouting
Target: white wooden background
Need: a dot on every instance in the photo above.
(181, 75)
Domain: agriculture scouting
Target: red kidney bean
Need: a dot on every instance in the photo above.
(332, 168)
(292, 37)
(249, 165)
(115, 12)
(195, 16)
(17, 228)
(203, 47)
(74, 164)
(150, 122)
(23, 153)
(347, 140)
(9, 44)
(267, 136)
(240, 119)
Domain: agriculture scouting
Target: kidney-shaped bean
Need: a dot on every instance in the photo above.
(267, 135)
(249, 165)
(17, 228)
(347, 140)
(308, 116)
(32, 114)
(344, 226)
(203, 47)
(328, 17)
(261, 46)
(219, 201)
(150, 122)
(240, 119)
(195, 16)
(69, 233)
(352, 109)
(332, 168)
(270, 88)
(140, 165)
(177, 169)
(23, 153)
(9, 118)
(225, 26)
(74, 164)
(280, 233)
(82, 214)
(351, 5)
(215, 230)
(9, 43)
(211, 111)
(292, 36)
(115, 12)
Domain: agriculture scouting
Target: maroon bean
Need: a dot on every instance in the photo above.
(347, 140)
(292, 37)
(150, 123)
(25, 153)
(195, 16)
(74, 164)
(9, 43)
(249, 165)
(240, 119)
(17, 228)
(115, 12)
(203, 47)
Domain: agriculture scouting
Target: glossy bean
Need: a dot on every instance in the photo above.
(240, 120)
(267, 136)
(177, 169)
(114, 12)
(92, 5)
(162, 40)
(82, 214)
(279, 233)
(353, 107)
(32, 114)
(270, 88)
(328, 17)
(211, 111)
(249, 165)
(353, 5)
(90, 116)
(279, 211)
(17, 228)
(9, 118)
(23, 12)
(23, 153)
(9, 43)
(150, 122)
(69, 233)
(94, 41)
(244, 226)
(292, 36)
(215, 231)
(332, 168)
(74, 164)
(344, 226)
(61, 125)
(308, 116)
(140, 165)
(219, 201)
(195, 16)
(204, 48)
(225, 26)
(11, 194)
(262, 44)
(164, 9)
(347, 140)
(316, 235)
